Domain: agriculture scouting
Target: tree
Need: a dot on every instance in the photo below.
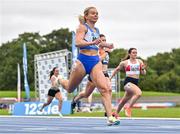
(12, 53)
(116, 56)
(57, 40)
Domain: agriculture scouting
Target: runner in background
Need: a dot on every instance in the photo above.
(133, 67)
(54, 90)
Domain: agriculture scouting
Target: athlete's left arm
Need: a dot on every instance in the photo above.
(142, 67)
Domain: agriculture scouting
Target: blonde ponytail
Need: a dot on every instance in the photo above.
(81, 19)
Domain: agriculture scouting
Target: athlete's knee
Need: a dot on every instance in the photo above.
(104, 90)
(69, 89)
(110, 90)
(86, 95)
(139, 94)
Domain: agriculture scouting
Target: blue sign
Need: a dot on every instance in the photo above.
(26, 85)
(74, 48)
(33, 108)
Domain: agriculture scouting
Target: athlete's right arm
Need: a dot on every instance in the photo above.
(80, 33)
(117, 69)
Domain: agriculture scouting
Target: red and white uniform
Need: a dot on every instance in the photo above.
(133, 68)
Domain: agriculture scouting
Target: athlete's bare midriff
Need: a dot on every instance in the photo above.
(133, 76)
(89, 52)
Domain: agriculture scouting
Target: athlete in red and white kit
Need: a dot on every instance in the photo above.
(133, 67)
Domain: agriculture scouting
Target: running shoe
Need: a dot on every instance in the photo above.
(128, 112)
(73, 106)
(88, 110)
(112, 121)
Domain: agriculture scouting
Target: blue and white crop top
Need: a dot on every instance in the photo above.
(90, 36)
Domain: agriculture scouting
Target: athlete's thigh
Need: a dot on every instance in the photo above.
(49, 99)
(98, 77)
(58, 96)
(136, 89)
(77, 74)
(109, 83)
(132, 88)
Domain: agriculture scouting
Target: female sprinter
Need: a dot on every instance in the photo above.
(88, 62)
(54, 90)
(133, 68)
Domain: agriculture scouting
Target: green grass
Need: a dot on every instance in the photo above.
(14, 94)
(96, 95)
(158, 112)
(151, 112)
(144, 93)
(4, 112)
